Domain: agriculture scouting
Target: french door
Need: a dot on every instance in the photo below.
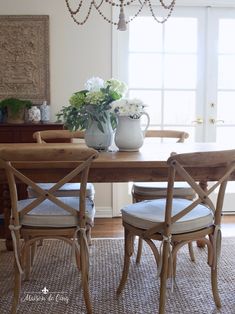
(184, 70)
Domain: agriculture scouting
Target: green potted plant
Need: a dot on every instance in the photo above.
(15, 109)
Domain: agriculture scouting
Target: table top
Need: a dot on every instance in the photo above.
(153, 153)
(147, 164)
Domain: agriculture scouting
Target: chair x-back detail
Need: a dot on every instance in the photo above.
(69, 189)
(47, 215)
(175, 222)
(153, 190)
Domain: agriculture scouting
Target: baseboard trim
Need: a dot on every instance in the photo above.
(103, 212)
(227, 213)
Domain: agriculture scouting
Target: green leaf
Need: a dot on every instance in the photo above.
(100, 126)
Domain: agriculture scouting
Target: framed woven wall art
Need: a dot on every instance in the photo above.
(24, 57)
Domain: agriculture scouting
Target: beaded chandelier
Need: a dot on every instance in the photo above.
(120, 4)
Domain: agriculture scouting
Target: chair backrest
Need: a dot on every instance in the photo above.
(57, 135)
(41, 158)
(179, 135)
(223, 164)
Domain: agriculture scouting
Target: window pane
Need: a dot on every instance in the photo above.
(179, 107)
(180, 71)
(153, 101)
(145, 35)
(226, 28)
(226, 74)
(181, 35)
(145, 70)
(226, 107)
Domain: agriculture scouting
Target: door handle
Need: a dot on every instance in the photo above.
(198, 121)
(213, 121)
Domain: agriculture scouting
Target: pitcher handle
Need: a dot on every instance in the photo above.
(148, 122)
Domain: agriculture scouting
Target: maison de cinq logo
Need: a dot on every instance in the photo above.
(45, 296)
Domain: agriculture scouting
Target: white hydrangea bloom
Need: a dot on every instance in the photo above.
(128, 107)
(94, 84)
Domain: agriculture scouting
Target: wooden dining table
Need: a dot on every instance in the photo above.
(148, 164)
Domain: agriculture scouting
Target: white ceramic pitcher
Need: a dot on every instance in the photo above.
(129, 136)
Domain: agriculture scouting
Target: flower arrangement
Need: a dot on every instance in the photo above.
(133, 108)
(92, 104)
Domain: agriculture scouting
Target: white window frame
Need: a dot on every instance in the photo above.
(120, 71)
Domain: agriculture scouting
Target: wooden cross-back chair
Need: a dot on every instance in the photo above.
(152, 190)
(58, 135)
(180, 136)
(47, 215)
(175, 222)
(70, 189)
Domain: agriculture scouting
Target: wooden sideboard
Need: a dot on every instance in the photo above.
(23, 133)
(19, 133)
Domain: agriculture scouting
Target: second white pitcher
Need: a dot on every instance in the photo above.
(129, 135)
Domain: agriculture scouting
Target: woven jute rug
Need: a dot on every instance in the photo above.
(55, 282)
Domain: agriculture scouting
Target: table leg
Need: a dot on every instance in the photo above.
(203, 185)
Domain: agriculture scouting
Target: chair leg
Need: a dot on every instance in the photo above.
(191, 253)
(140, 247)
(27, 262)
(17, 288)
(127, 255)
(174, 266)
(40, 243)
(88, 234)
(34, 251)
(214, 286)
(78, 261)
(139, 250)
(29, 253)
(86, 293)
(17, 274)
(84, 265)
(163, 279)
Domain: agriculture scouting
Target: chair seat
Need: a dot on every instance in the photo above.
(48, 214)
(181, 189)
(68, 189)
(147, 214)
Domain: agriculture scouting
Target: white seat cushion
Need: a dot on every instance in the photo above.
(48, 214)
(159, 189)
(68, 189)
(147, 214)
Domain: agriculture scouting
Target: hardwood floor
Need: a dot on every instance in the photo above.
(112, 227)
(108, 228)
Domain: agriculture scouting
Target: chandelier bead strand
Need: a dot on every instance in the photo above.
(121, 4)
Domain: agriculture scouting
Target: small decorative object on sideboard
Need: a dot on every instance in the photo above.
(14, 109)
(45, 112)
(34, 114)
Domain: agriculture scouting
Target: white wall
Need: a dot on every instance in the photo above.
(76, 54)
